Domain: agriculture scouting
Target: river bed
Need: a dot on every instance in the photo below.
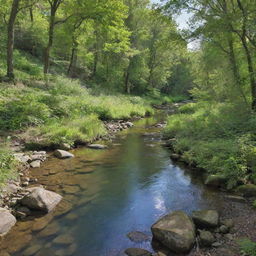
(107, 194)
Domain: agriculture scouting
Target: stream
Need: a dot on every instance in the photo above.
(107, 194)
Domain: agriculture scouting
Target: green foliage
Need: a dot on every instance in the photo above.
(64, 111)
(216, 138)
(247, 247)
(7, 165)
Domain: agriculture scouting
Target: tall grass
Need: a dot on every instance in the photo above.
(63, 111)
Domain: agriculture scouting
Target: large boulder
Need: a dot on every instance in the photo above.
(206, 218)
(176, 231)
(7, 221)
(62, 154)
(248, 190)
(41, 199)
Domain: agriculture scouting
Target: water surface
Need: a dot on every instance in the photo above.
(108, 194)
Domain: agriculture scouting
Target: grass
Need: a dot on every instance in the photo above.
(247, 247)
(7, 165)
(219, 138)
(63, 111)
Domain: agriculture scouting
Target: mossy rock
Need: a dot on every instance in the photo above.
(248, 190)
(216, 180)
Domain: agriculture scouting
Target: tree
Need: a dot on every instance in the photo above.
(10, 38)
(54, 6)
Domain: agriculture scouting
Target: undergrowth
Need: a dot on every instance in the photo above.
(219, 138)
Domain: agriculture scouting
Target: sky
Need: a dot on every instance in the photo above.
(182, 22)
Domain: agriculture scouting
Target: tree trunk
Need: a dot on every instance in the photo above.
(127, 79)
(73, 59)
(248, 54)
(50, 41)
(251, 71)
(235, 69)
(10, 39)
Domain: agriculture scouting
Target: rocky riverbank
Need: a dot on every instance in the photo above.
(205, 232)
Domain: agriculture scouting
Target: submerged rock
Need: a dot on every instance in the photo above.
(41, 199)
(138, 237)
(64, 239)
(176, 231)
(248, 190)
(97, 146)
(62, 154)
(137, 252)
(206, 218)
(7, 221)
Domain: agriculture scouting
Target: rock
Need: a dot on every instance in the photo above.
(97, 146)
(64, 239)
(65, 146)
(206, 238)
(41, 223)
(32, 250)
(238, 199)
(176, 231)
(206, 218)
(22, 212)
(22, 158)
(216, 244)
(138, 237)
(7, 221)
(224, 229)
(41, 155)
(50, 230)
(129, 124)
(12, 188)
(137, 252)
(248, 190)
(25, 184)
(175, 156)
(62, 154)
(35, 164)
(41, 199)
(216, 180)
(229, 236)
(228, 223)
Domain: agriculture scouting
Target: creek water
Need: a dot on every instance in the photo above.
(107, 194)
